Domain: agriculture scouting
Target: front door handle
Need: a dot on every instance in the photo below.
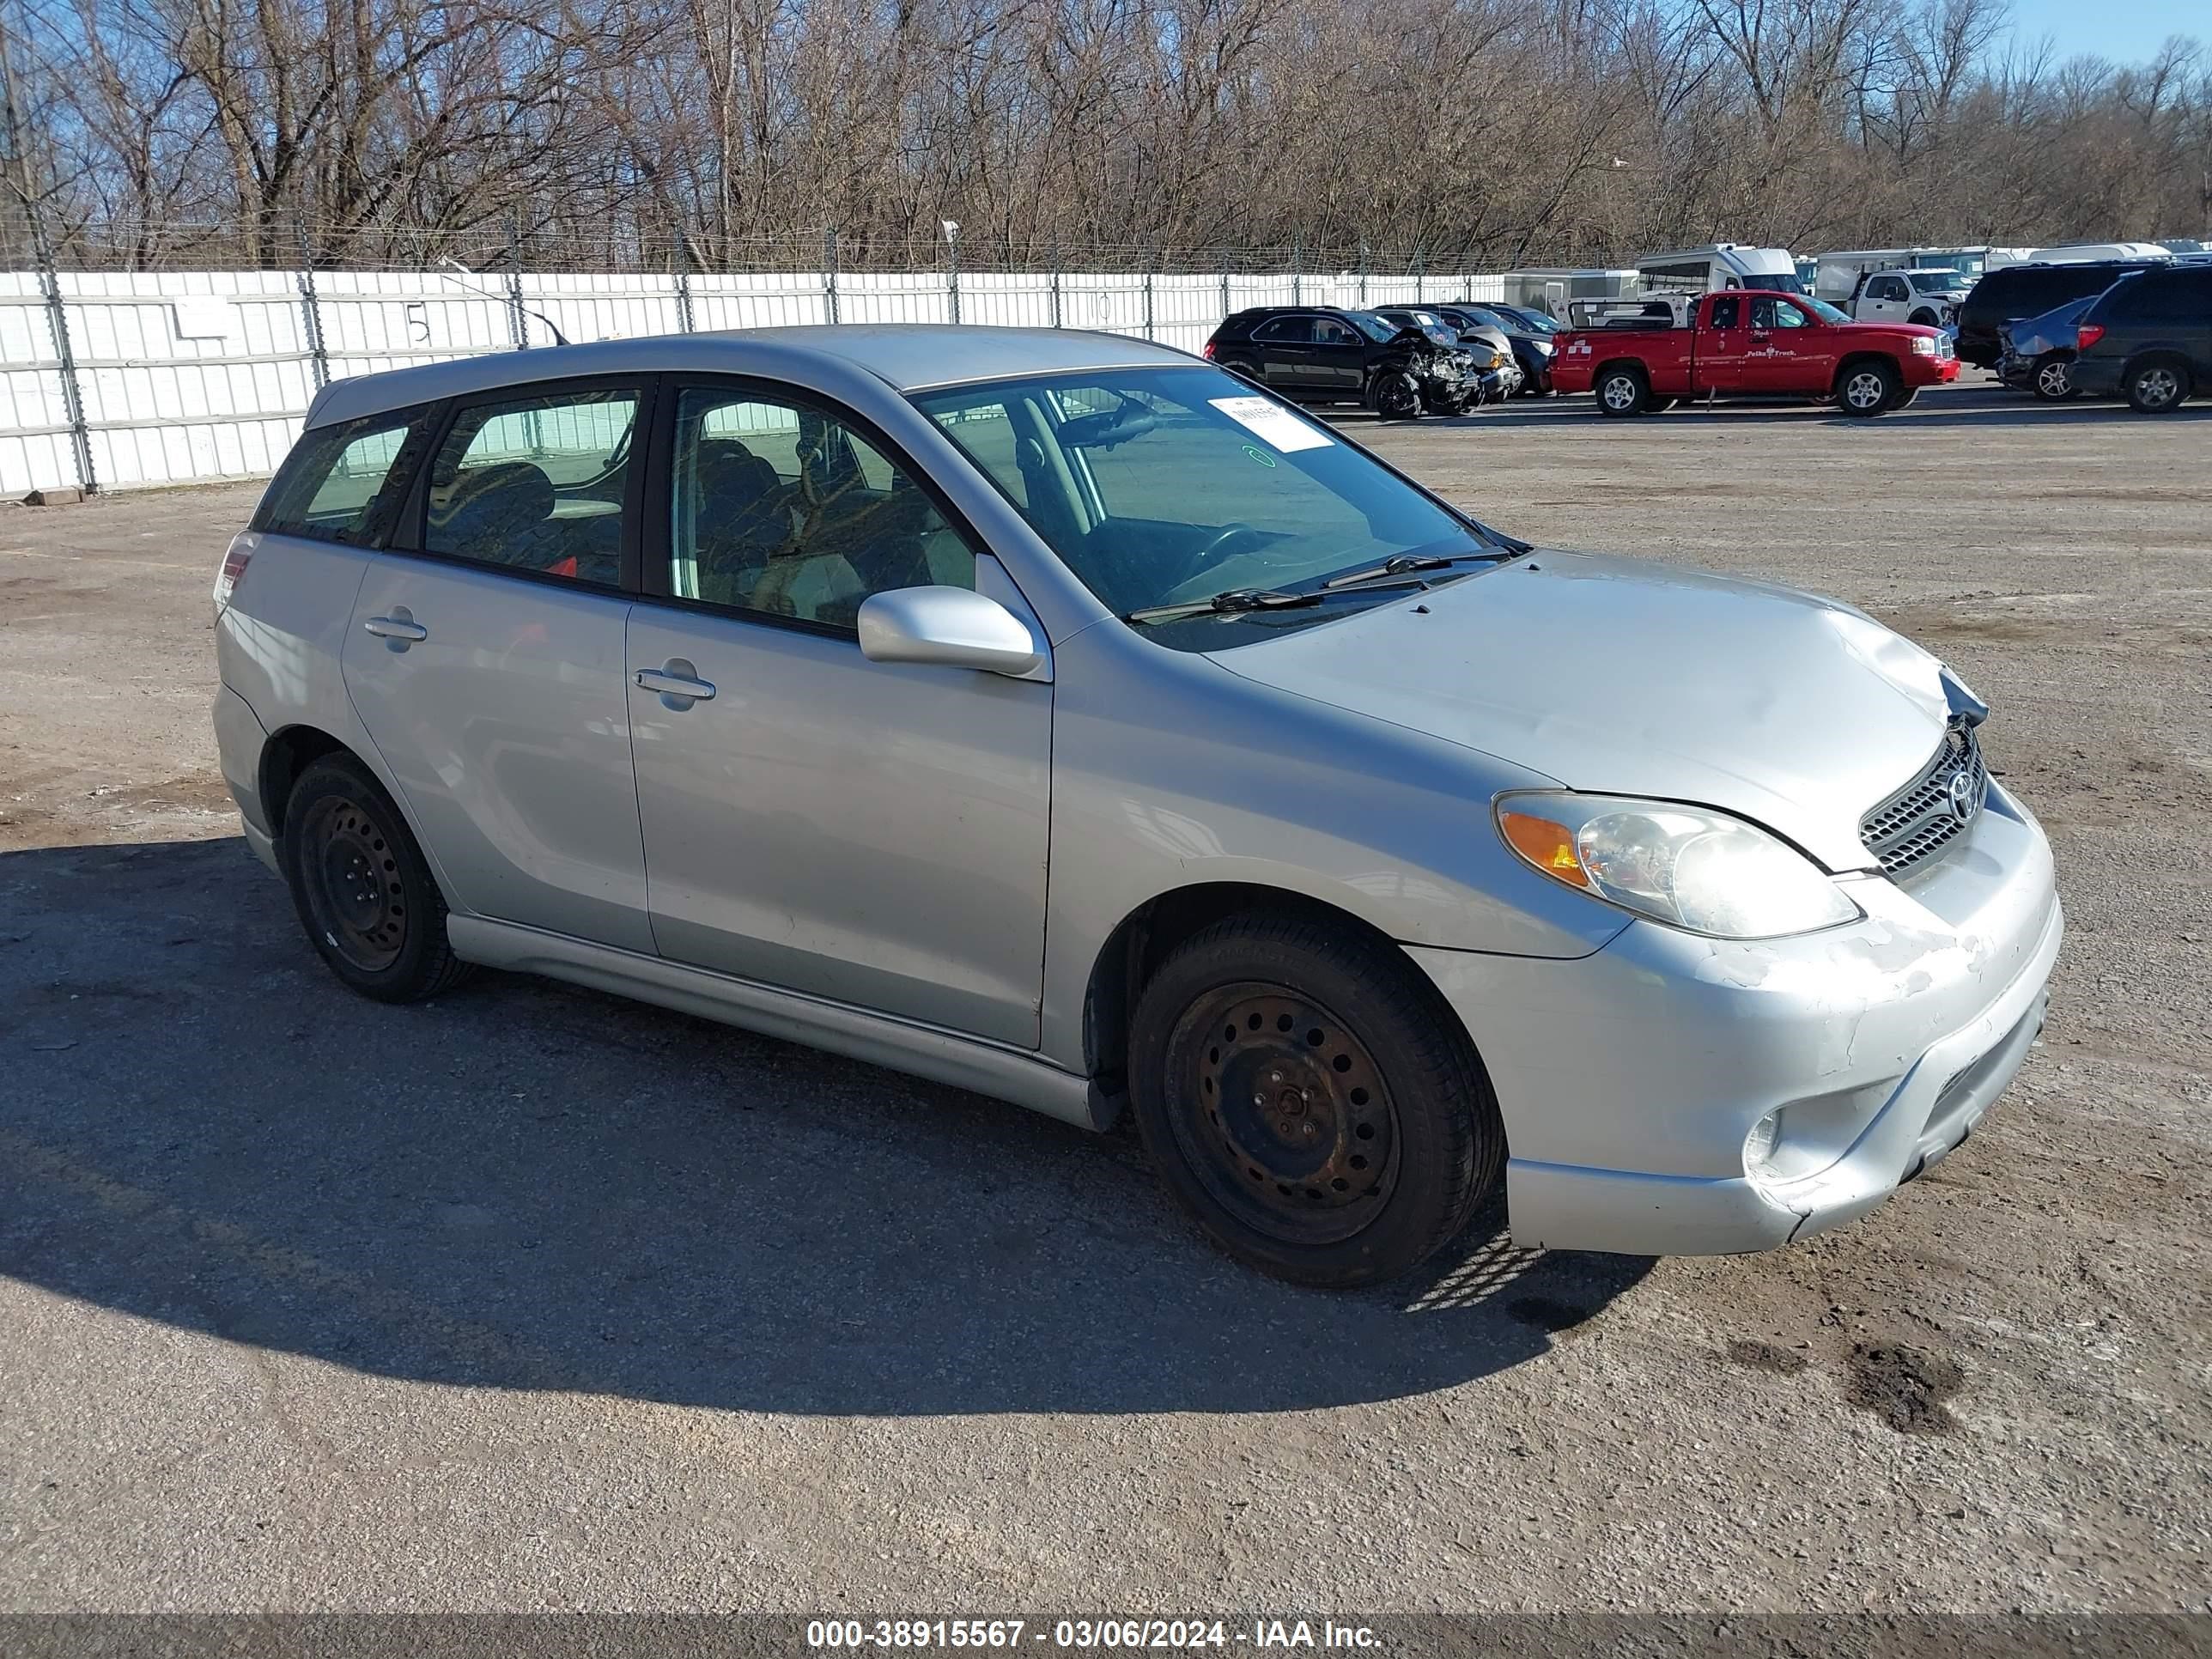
(678, 684)
(399, 628)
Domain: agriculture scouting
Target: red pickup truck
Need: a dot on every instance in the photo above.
(1741, 343)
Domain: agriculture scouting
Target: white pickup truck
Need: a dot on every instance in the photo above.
(1927, 294)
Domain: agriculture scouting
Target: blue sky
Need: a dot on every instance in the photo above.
(2122, 30)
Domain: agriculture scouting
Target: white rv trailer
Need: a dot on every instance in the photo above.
(1552, 289)
(1720, 265)
(2075, 252)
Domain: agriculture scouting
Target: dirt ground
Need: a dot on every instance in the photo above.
(531, 1299)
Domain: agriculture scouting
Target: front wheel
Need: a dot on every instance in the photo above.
(1308, 1099)
(363, 890)
(2054, 378)
(1622, 392)
(1396, 397)
(2157, 388)
(1868, 389)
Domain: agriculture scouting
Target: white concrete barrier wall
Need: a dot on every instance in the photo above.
(187, 377)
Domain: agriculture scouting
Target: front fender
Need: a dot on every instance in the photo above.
(1170, 772)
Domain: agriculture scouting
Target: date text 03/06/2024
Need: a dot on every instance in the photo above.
(1129, 1633)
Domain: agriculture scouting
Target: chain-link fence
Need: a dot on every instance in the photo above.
(113, 374)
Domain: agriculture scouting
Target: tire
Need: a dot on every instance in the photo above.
(2052, 380)
(1396, 397)
(363, 888)
(1363, 1132)
(1904, 399)
(1622, 391)
(1242, 369)
(1659, 405)
(1867, 388)
(2157, 387)
(1925, 318)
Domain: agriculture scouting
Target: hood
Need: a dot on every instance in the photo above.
(1622, 677)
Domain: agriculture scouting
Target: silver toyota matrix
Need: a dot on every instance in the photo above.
(1061, 717)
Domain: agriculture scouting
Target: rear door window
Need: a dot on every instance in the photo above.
(345, 482)
(537, 483)
(1286, 330)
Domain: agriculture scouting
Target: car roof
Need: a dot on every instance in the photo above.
(907, 357)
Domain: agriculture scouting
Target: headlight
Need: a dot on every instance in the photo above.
(1688, 867)
(1923, 346)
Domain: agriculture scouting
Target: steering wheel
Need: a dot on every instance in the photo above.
(1212, 549)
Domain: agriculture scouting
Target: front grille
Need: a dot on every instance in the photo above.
(1926, 816)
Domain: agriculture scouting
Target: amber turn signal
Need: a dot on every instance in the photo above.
(1550, 847)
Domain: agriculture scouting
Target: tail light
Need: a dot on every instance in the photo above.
(1208, 350)
(2088, 335)
(233, 567)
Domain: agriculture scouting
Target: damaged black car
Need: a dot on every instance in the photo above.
(1327, 354)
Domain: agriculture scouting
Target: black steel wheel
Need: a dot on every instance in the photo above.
(1311, 1100)
(353, 887)
(1298, 1134)
(363, 888)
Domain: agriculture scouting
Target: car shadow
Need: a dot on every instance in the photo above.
(531, 1186)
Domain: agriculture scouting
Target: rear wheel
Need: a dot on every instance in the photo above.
(1310, 1101)
(362, 886)
(1867, 388)
(1242, 369)
(1659, 405)
(1623, 391)
(2053, 381)
(2157, 387)
(1904, 399)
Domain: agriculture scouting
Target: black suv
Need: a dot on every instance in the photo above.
(2149, 336)
(1322, 355)
(2012, 292)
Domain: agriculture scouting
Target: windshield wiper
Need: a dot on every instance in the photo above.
(1236, 600)
(1406, 564)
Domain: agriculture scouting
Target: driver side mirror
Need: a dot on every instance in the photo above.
(952, 627)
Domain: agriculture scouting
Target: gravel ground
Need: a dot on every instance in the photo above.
(531, 1299)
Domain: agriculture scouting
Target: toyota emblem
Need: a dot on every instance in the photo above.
(1963, 806)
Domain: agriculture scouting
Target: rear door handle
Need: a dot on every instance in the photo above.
(400, 627)
(678, 684)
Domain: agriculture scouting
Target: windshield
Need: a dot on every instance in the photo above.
(1375, 328)
(1933, 282)
(1825, 312)
(1775, 282)
(1160, 485)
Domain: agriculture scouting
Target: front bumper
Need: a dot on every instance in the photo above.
(1930, 371)
(1629, 1079)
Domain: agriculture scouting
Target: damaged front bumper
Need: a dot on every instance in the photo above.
(1676, 1095)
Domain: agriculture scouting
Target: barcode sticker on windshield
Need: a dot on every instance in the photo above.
(1263, 419)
